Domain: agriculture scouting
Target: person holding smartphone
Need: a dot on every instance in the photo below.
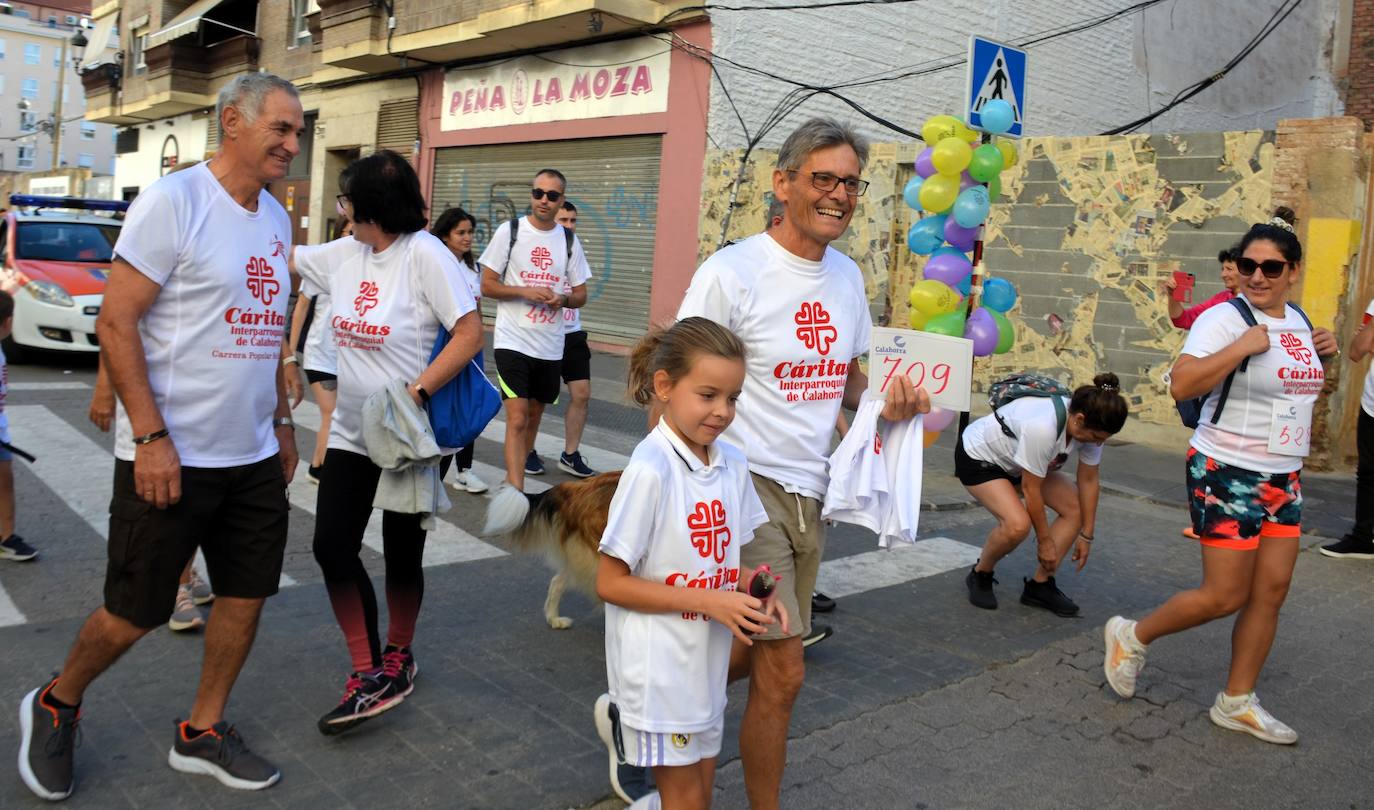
(1185, 318)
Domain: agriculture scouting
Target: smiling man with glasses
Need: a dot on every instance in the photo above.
(527, 262)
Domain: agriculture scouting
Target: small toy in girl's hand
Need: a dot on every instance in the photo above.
(763, 583)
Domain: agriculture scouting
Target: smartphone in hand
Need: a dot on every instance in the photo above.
(1183, 287)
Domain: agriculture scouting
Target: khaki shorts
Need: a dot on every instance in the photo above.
(790, 543)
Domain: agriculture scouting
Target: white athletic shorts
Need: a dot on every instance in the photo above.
(645, 749)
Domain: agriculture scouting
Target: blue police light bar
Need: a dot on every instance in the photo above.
(78, 203)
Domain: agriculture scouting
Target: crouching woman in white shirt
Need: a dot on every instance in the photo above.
(670, 574)
(1243, 467)
(998, 469)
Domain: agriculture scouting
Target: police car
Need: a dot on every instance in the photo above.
(55, 255)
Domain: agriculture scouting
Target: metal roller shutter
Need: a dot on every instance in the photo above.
(614, 184)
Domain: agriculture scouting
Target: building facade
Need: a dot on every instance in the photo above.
(38, 72)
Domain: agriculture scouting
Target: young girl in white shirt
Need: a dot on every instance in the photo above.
(1244, 467)
(669, 573)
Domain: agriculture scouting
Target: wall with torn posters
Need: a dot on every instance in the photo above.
(1086, 229)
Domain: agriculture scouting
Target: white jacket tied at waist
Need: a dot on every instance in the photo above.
(875, 475)
(401, 442)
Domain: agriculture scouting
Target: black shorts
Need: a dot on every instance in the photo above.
(577, 357)
(236, 515)
(971, 471)
(312, 377)
(525, 377)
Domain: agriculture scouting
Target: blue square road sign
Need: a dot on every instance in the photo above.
(996, 70)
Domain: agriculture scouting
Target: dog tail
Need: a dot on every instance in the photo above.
(507, 510)
(542, 523)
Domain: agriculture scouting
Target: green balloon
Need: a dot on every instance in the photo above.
(995, 188)
(948, 323)
(986, 163)
(1006, 333)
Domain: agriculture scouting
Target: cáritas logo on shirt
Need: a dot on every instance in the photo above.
(813, 379)
(1304, 377)
(710, 537)
(359, 333)
(251, 327)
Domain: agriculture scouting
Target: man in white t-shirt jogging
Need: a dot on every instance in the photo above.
(524, 276)
(800, 307)
(191, 332)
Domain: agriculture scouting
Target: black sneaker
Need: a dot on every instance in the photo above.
(628, 781)
(1048, 596)
(1348, 548)
(980, 589)
(572, 464)
(366, 695)
(533, 464)
(820, 603)
(819, 633)
(48, 738)
(398, 664)
(220, 752)
(14, 548)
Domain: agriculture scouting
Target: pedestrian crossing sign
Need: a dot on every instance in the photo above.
(996, 70)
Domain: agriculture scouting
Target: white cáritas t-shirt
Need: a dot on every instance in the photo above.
(680, 522)
(387, 309)
(213, 337)
(319, 353)
(1367, 395)
(802, 322)
(1288, 372)
(1037, 445)
(540, 259)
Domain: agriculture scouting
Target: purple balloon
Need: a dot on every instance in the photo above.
(967, 181)
(923, 165)
(981, 328)
(959, 236)
(948, 268)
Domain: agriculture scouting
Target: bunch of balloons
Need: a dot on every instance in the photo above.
(957, 178)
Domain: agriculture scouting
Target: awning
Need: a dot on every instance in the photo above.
(99, 42)
(188, 22)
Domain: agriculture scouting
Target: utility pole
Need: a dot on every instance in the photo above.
(57, 107)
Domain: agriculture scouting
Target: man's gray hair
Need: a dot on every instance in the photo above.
(776, 208)
(247, 92)
(820, 133)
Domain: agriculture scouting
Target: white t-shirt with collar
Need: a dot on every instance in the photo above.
(212, 338)
(802, 322)
(540, 259)
(1289, 371)
(386, 310)
(1038, 442)
(680, 522)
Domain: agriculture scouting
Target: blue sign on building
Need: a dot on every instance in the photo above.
(996, 70)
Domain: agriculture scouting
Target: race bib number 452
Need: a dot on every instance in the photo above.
(940, 364)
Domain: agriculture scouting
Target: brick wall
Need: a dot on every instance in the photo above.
(1359, 93)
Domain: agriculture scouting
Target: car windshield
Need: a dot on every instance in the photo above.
(66, 241)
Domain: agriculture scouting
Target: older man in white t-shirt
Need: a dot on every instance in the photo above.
(800, 307)
(191, 332)
(524, 273)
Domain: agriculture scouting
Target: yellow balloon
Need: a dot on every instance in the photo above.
(931, 297)
(969, 135)
(930, 438)
(1008, 154)
(917, 319)
(951, 156)
(940, 127)
(939, 191)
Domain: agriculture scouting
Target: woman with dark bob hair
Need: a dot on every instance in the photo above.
(1261, 365)
(392, 287)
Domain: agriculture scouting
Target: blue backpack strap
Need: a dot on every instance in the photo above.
(1305, 319)
(1249, 317)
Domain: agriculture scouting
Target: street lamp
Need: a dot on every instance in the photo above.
(113, 70)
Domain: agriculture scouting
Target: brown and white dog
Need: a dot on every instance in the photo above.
(564, 524)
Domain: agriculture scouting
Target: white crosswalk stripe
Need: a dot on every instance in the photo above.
(48, 386)
(10, 614)
(887, 567)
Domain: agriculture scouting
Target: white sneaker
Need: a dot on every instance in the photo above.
(468, 480)
(186, 616)
(1247, 715)
(1123, 658)
(201, 593)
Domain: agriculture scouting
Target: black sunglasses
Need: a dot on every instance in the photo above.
(1272, 268)
(539, 194)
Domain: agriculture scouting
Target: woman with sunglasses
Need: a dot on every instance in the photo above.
(1243, 467)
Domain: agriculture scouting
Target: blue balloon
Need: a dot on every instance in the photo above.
(912, 192)
(965, 287)
(972, 206)
(950, 249)
(998, 294)
(926, 235)
(997, 116)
